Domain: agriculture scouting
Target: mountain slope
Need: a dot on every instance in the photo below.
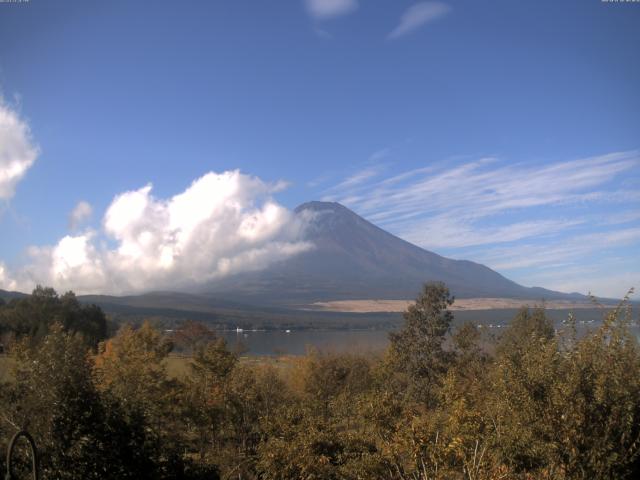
(354, 259)
(8, 295)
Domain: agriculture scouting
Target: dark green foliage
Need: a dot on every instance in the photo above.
(34, 315)
(417, 350)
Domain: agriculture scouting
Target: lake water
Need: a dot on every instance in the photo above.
(297, 342)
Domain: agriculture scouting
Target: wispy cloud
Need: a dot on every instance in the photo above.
(358, 178)
(600, 280)
(568, 251)
(621, 217)
(322, 33)
(486, 187)
(417, 16)
(317, 181)
(80, 214)
(454, 233)
(516, 218)
(325, 9)
(379, 154)
(18, 150)
(372, 168)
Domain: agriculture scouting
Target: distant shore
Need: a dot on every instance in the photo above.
(381, 305)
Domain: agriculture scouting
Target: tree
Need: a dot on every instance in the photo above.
(568, 408)
(190, 335)
(417, 349)
(204, 394)
(321, 432)
(34, 315)
(54, 398)
(527, 326)
(326, 377)
(130, 369)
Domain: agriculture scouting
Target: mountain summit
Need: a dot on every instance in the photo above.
(354, 259)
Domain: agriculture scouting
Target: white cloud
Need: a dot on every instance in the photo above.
(222, 224)
(601, 282)
(575, 249)
(379, 154)
(463, 194)
(80, 214)
(324, 9)
(358, 178)
(17, 150)
(621, 217)
(418, 15)
(6, 282)
(443, 231)
(520, 218)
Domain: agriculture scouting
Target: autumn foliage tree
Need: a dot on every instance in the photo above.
(543, 401)
(53, 396)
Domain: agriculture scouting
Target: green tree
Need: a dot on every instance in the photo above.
(204, 396)
(33, 316)
(417, 350)
(529, 325)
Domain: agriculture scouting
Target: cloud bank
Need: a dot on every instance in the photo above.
(17, 150)
(418, 15)
(222, 224)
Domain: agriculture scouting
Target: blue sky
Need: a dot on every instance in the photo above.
(502, 132)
